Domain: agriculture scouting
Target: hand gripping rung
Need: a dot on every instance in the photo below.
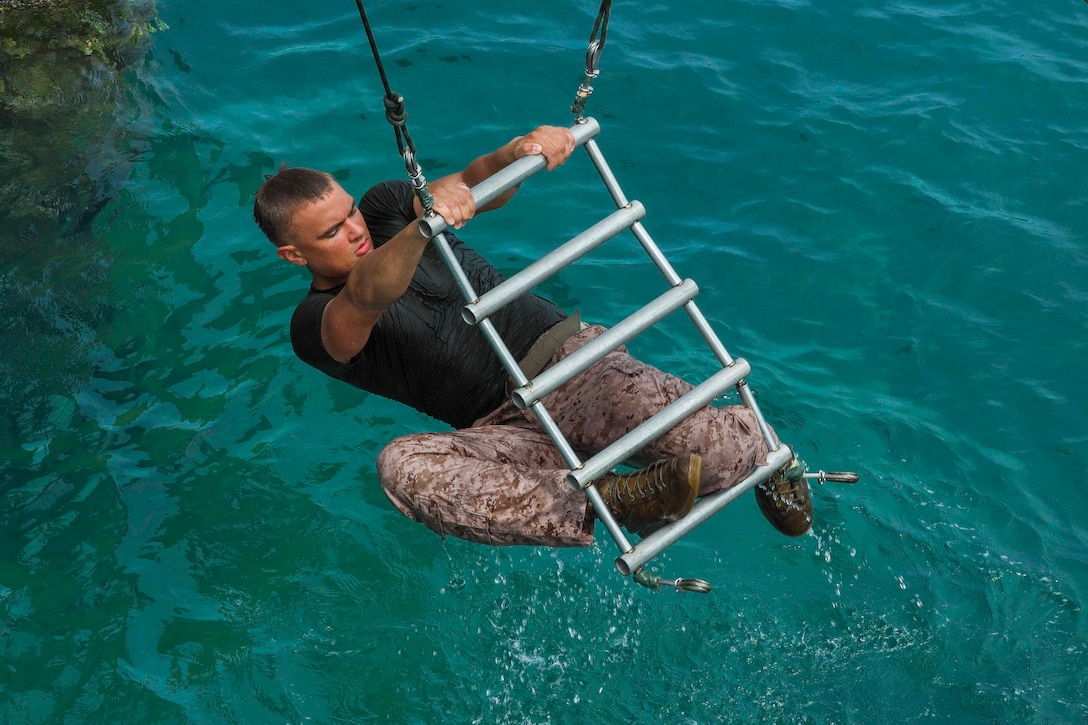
(645, 318)
(510, 176)
(653, 427)
(553, 262)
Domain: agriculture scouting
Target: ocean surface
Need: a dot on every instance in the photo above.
(885, 206)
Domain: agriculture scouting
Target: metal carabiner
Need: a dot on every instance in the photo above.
(593, 59)
(411, 166)
(585, 90)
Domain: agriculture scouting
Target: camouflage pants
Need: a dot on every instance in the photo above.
(502, 481)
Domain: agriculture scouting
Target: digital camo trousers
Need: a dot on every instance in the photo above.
(503, 481)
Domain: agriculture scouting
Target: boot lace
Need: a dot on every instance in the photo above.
(641, 485)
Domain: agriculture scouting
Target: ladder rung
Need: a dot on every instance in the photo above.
(552, 262)
(510, 176)
(633, 559)
(551, 378)
(653, 427)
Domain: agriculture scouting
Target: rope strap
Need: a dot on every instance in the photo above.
(593, 58)
(398, 118)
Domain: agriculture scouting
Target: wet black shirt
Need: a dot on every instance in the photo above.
(421, 352)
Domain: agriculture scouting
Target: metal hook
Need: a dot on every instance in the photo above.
(688, 585)
(654, 582)
(834, 476)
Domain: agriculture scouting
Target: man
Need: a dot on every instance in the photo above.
(383, 314)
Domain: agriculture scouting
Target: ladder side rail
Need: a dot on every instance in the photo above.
(609, 179)
(709, 336)
(552, 429)
(514, 370)
(469, 293)
(510, 176)
(655, 253)
(552, 262)
(706, 507)
(644, 318)
(651, 248)
(749, 400)
(656, 425)
(600, 510)
(667, 271)
(696, 315)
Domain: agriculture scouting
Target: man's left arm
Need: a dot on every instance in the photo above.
(554, 143)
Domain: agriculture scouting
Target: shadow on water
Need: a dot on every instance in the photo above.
(70, 131)
(114, 418)
(74, 122)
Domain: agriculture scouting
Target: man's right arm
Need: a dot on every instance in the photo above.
(381, 276)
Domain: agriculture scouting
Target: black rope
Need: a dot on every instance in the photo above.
(602, 22)
(398, 117)
(593, 57)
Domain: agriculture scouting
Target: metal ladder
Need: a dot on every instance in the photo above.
(528, 393)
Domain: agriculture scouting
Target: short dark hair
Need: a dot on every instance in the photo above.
(282, 194)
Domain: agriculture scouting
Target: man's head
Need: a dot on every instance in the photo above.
(282, 195)
(313, 222)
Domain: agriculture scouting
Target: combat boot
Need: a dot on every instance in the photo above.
(651, 497)
(784, 500)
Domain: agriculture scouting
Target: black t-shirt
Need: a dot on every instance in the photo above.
(421, 352)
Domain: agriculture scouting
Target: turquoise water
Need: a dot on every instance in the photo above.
(885, 207)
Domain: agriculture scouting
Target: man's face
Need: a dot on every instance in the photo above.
(328, 236)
